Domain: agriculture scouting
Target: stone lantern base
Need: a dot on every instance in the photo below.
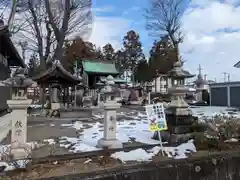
(179, 117)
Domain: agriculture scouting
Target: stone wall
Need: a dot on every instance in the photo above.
(224, 166)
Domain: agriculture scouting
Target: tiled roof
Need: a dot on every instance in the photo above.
(95, 66)
(51, 72)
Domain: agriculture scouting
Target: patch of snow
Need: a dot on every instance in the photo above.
(5, 151)
(77, 125)
(191, 89)
(35, 105)
(209, 112)
(134, 155)
(49, 141)
(179, 152)
(231, 140)
(98, 116)
(126, 131)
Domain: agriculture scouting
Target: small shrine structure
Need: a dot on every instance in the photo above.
(93, 70)
(58, 80)
(9, 57)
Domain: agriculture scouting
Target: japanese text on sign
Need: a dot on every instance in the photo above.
(156, 117)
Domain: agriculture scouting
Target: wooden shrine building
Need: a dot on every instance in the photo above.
(57, 80)
(9, 57)
(93, 70)
(8, 54)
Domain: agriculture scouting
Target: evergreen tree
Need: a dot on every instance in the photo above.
(132, 50)
(108, 52)
(162, 56)
(142, 73)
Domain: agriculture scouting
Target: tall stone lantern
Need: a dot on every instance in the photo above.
(19, 104)
(110, 106)
(178, 89)
(178, 113)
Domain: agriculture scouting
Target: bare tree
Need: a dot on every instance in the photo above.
(50, 23)
(163, 18)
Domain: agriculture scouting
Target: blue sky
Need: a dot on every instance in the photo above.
(211, 29)
(132, 10)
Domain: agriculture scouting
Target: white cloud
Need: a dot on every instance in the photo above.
(103, 9)
(205, 43)
(217, 51)
(109, 30)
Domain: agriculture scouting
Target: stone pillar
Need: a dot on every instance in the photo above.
(109, 139)
(55, 104)
(19, 149)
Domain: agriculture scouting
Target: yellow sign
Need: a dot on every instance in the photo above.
(156, 117)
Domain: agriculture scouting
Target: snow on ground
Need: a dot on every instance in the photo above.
(5, 153)
(179, 152)
(209, 112)
(127, 131)
(135, 130)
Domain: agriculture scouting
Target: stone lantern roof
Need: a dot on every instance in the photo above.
(178, 72)
(19, 79)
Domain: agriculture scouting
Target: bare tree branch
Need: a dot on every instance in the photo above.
(163, 18)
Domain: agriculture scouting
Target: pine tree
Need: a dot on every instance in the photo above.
(108, 52)
(133, 51)
(162, 56)
(142, 73)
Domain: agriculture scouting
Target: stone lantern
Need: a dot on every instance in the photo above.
(18, 84)
(110, 106)
(99, 85)
(19, 104)
(178, 114)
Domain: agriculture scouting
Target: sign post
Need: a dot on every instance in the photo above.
(157, 120)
